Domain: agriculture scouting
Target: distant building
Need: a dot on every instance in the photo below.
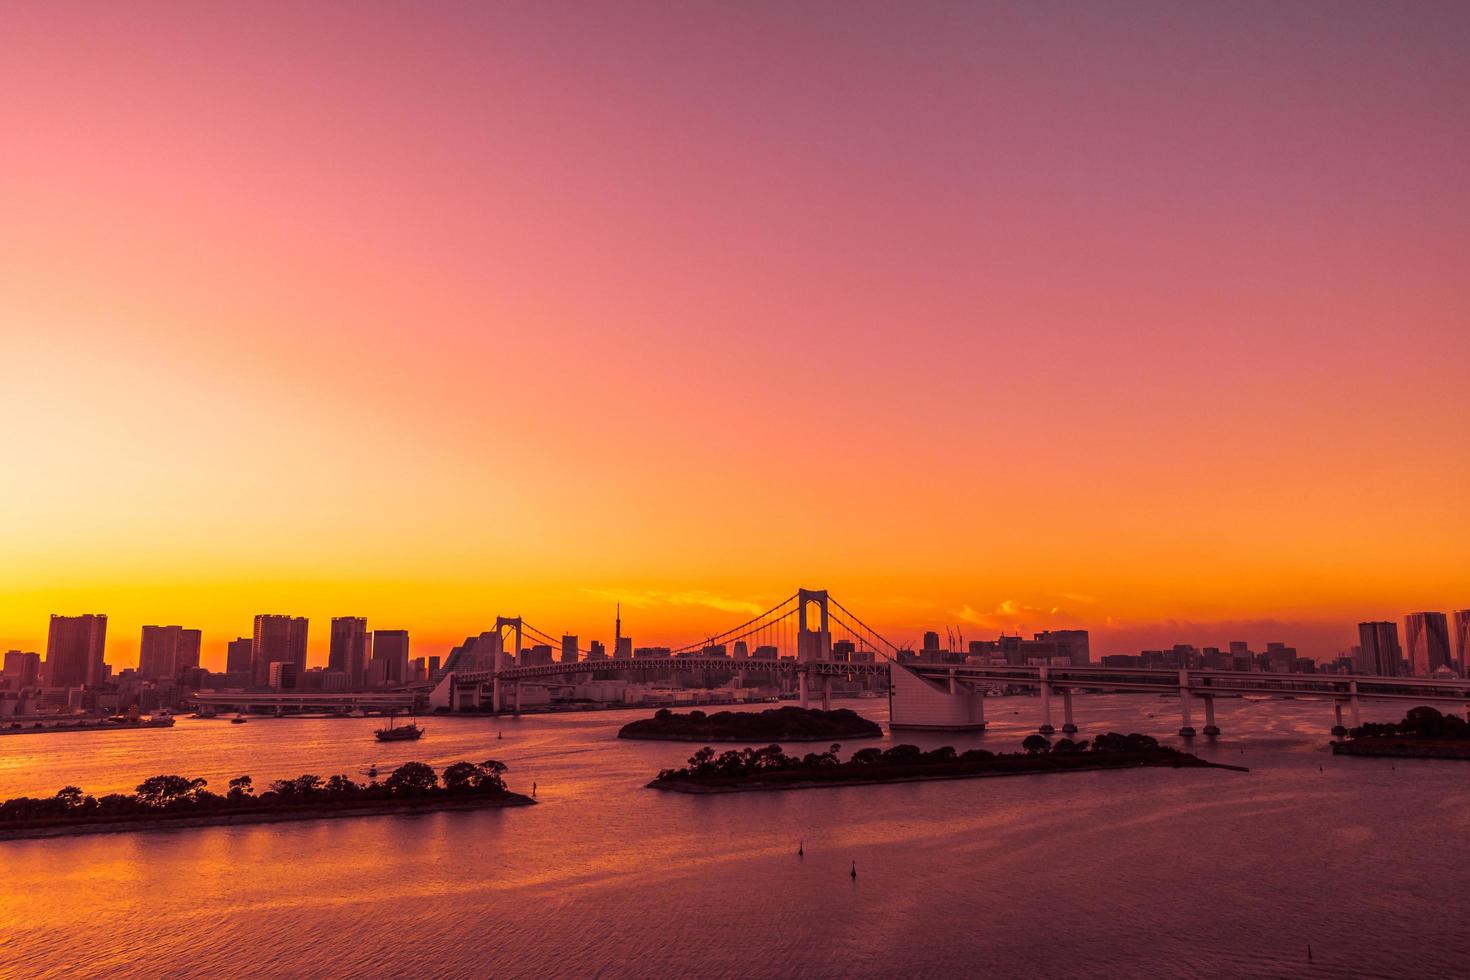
(391, 647)
(74, 646)
(433, 668)
(166, 651)
(277, 639)
(624, 648)
(536, 656)
(22, 669)
(1462, 638)
(931, 642)
(281, 675)
(351, 648)
(764, 653)
(1072, 644)
(1427, 643)
(237, 655)
(1378, 650)
(568, 649)
(740, 651)
(596, 650)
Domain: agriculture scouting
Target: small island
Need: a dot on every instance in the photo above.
(787, 724)
(162, 802)
(769, 768)
(1424, 733)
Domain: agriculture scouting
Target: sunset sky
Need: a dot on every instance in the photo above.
(1152, 318)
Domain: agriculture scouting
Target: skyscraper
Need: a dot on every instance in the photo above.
(1072, 644)
(277, 639)
(74, 647)
(164, 651)
(237, 655)
(22, 669)
(1462, 637)
(351, 649)
(1427, 639)
(568, 649)
(1378, 649)
(391, 647)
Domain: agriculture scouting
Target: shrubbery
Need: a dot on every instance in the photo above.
(179, 795)
(784, 722)
(1420, 722)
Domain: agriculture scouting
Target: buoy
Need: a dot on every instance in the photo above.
(1309, 952)
(801, 849)
(854, 871)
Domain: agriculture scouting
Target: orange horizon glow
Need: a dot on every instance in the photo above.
(1152, 320)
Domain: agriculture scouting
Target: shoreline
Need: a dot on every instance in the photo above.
(280, 814)
(103, 726)
(1391, 747)
(759, 740)
(694, 788)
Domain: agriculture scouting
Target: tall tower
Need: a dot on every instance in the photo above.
(618, 626)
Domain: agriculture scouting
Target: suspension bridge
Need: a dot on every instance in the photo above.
(810, 638)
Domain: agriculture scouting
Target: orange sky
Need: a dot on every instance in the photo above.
(1150, 318)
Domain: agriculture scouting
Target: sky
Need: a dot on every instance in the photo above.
(1149, 318)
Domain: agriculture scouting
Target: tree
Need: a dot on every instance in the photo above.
(412, 779)
(460, 777)
(1036, 744)
(1064, 746)
(341, 785)
(163, 791)
(70, 797)
(869, 756)
(490, 778)
(241, 787)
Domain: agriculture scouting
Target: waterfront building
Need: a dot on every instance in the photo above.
(237, 655)
(1072, 644)
(351, 648)
(1378, 650)
(1427, 643)
(166, 651)
(277, 639)
(74, 647)
(22, 669)
(391, 647)
(282, 675)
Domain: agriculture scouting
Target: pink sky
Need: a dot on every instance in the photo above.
(429, 312)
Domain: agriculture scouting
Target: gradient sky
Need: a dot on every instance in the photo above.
(1148, 317)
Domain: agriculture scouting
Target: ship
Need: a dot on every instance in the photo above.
(399, 733)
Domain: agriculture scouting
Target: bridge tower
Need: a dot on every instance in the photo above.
(501, 622)
(813, 645)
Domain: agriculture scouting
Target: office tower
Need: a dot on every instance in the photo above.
(277, 639)
(596, 651)
(351, 649)
(740, 651)
(1378, 650)
(931, 642)
(1462, 638)
(74, 647)
(23, 669)
(166, 651)
(391, 647)
(568, 649)
(237, 655)
(1427, 643)
(282, 676)
(1072, 644)
(624, 648)
(433, 668)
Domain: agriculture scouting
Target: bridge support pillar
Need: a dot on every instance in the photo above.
(1046, 727)
(495, 693)
(1337, 728)
(1186, 726)
(826, 692)
(516, 696)
(1068, 727)
(1353, 703)
(1211, 729)
(801, 684)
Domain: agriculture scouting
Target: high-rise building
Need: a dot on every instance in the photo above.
(282, 675)
(1427, 643)
(931, 642)
(277, 639)
(624, 648)
(1462, 638)
(391, 647)
(740, 651)
(596, 651)
(74, 646)
(237, 655)
(1072, 644)
(167, 651)
(1378, 650)
(568, 649)
(22, 669)
(351, 648)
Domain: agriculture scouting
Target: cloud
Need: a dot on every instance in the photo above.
(649, 598)
(1086, 600)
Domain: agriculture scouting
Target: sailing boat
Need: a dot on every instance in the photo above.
(401, 733)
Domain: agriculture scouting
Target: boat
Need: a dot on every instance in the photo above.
(399, 733)
(237, 720)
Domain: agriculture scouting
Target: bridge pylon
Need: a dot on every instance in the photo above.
(501, 623)
(813, 645)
